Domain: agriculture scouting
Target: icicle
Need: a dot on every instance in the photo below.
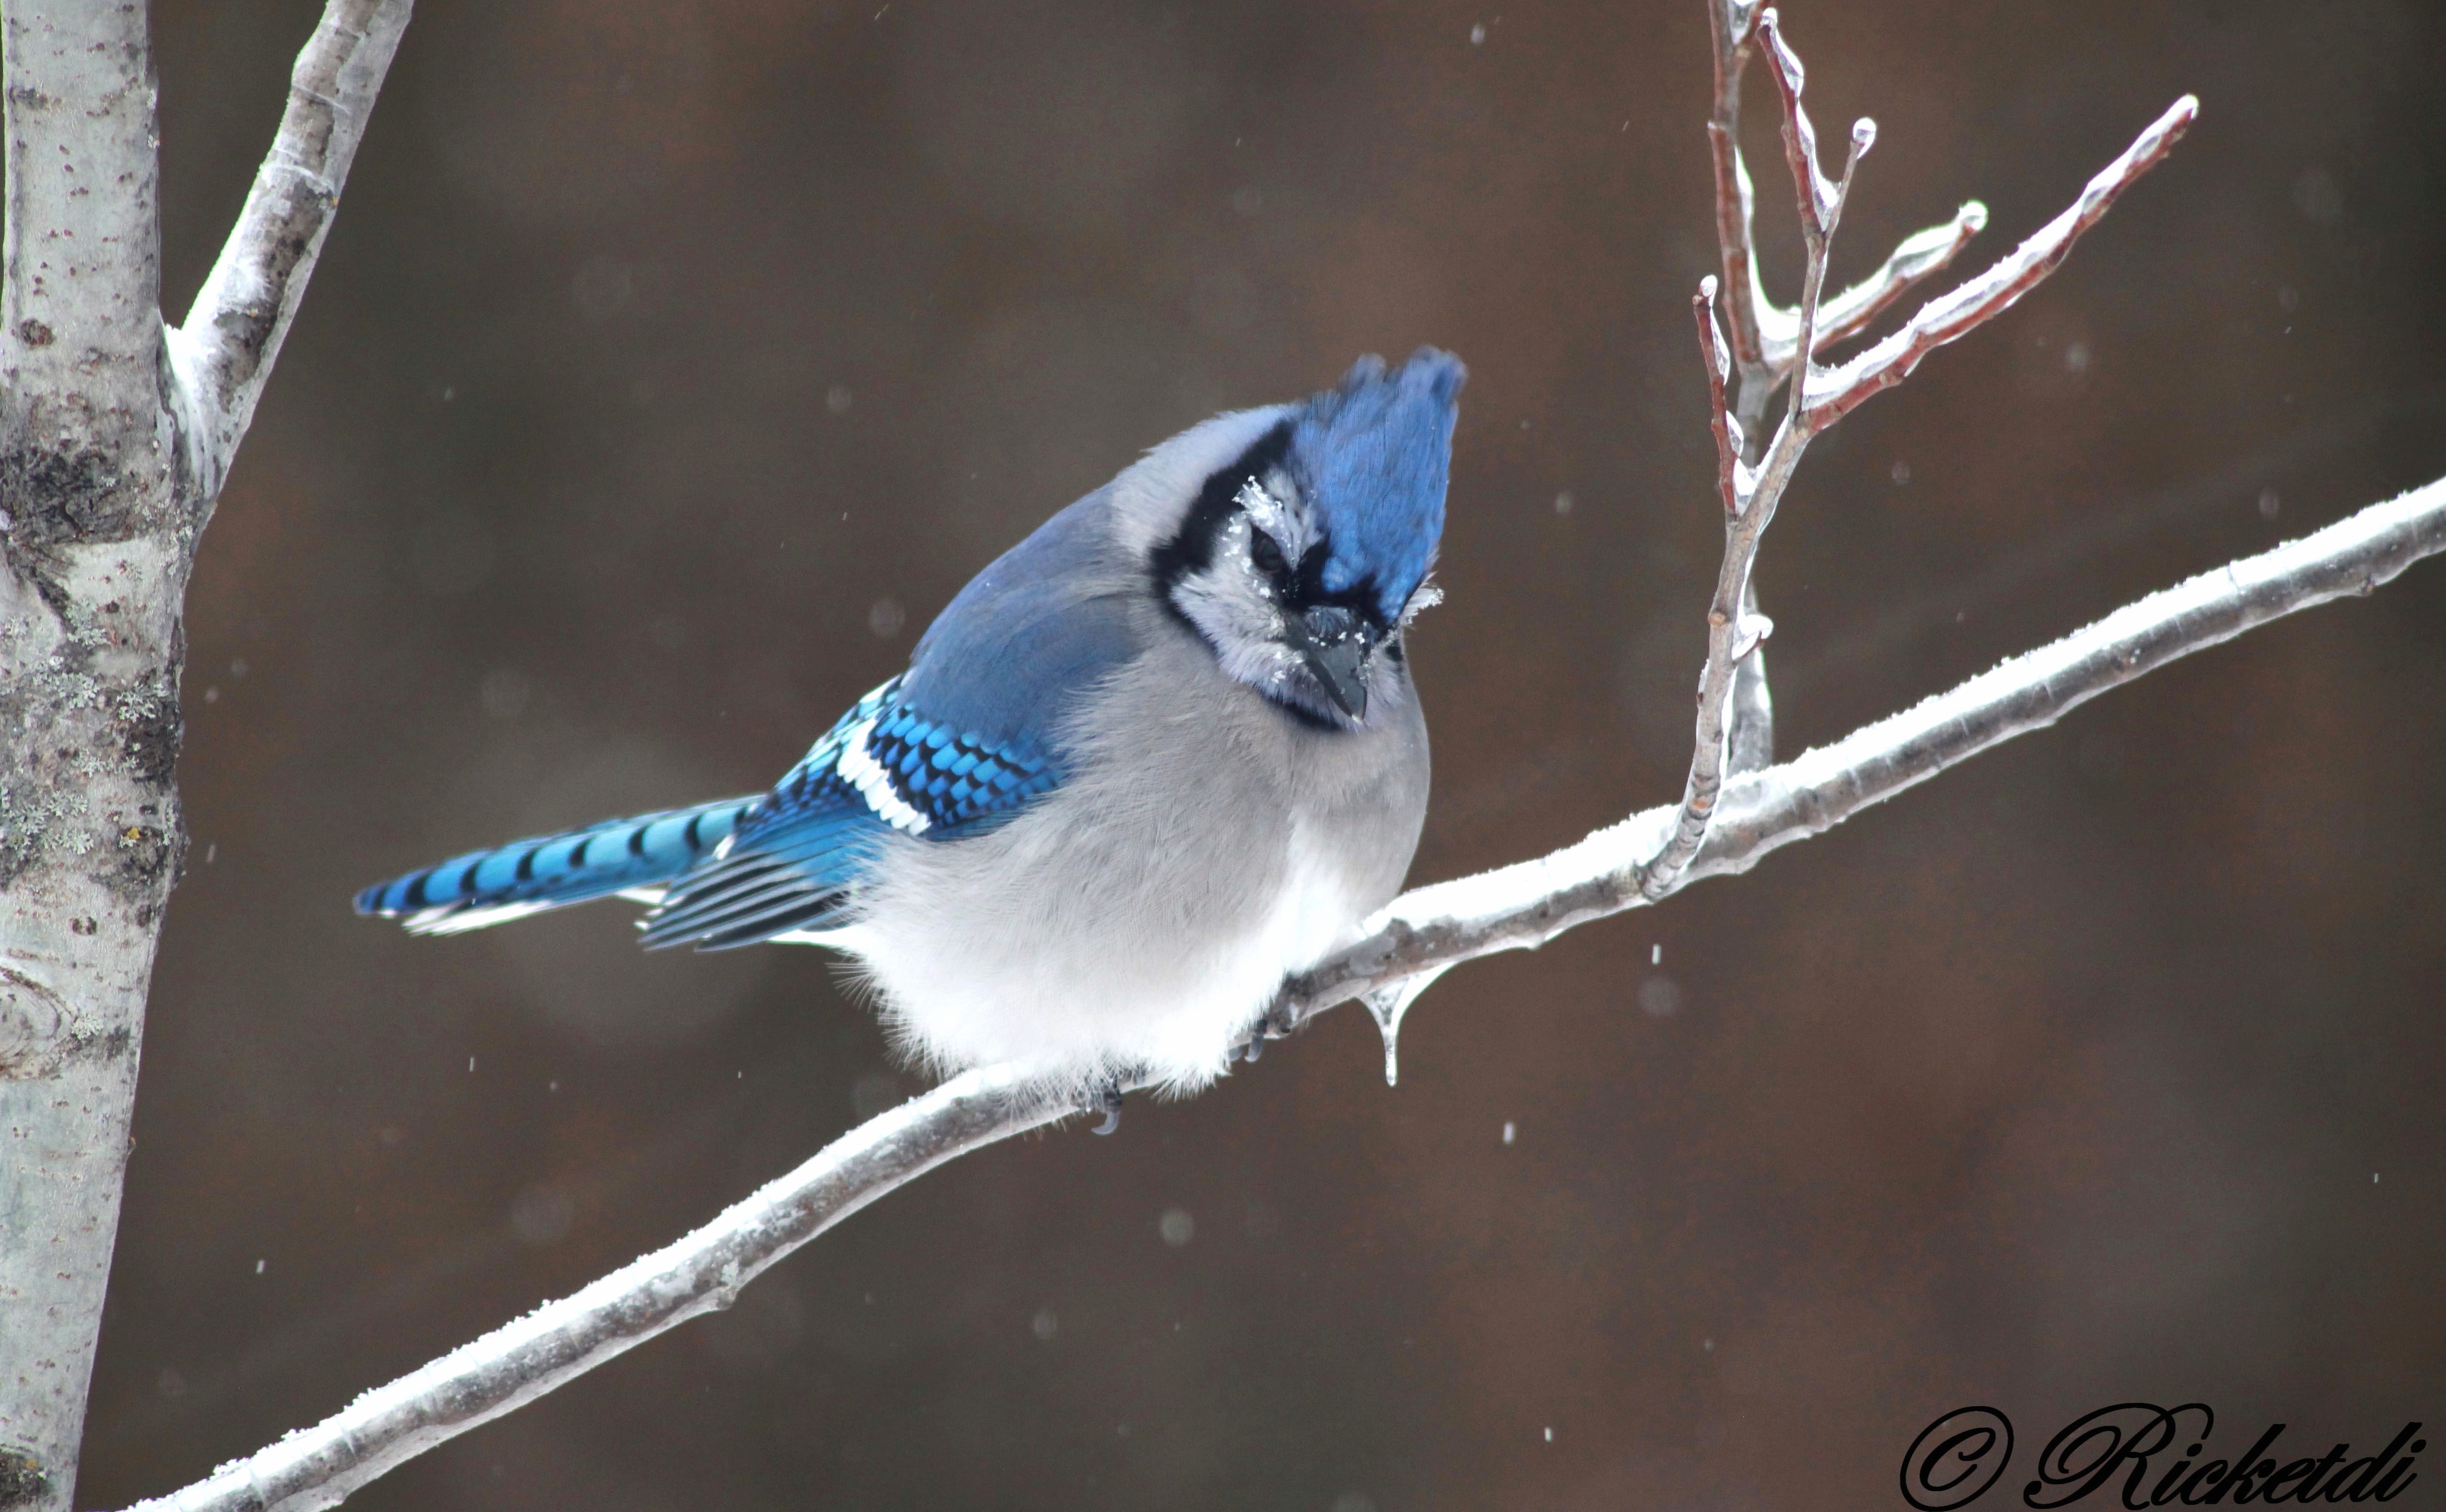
(1389, 1003)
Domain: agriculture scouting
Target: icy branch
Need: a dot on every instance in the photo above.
(1834, 394)
(1424, 932)
(1735, 628)
(1764, 336)
(224, 353)
(1734, 29)
(1732, 686)
(1522, 906)
(560, 1341)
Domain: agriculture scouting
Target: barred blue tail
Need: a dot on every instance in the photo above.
(492, 886)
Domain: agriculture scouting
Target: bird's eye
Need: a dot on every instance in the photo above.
(1268, 555)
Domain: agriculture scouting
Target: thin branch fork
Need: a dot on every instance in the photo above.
(224, 353)
(1735, 629)
(1764, 336)
(1831, 395)
(1423, 934)
(1522, 906)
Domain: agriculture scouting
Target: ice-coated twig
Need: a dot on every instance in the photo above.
(1733, 26)
(1735, 628)
(1835, 392)
(224, 353)
(1429, 929)
(1764, 335)
(1728, 696)
(1734, 479)
(1919, 255)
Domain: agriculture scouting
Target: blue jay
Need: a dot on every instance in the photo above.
(1161, 753)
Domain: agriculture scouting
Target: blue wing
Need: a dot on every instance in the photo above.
(963, 741)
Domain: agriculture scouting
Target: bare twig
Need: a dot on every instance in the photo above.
(1831, 395)
(1425, 931)
(1751, 493)
(1735, 627)
(1732, 470)
(224, 353)
(1919, 255)
(1733, 25)
(1763, 335)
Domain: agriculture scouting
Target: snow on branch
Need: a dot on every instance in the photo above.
(1420, 935)
(560, 1341)
(224, 353)
(1735, 629)
(1522, 906)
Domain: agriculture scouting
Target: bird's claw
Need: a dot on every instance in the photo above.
(1275, 1023)
(1108, 1102)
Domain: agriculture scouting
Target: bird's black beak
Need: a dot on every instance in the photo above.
(1335, 643)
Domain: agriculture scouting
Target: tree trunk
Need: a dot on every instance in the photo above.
(93, 563)
(115, 434)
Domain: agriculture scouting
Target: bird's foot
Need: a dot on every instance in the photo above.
(1108, 1102)
(1275, 1023)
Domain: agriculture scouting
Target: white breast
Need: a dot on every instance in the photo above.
(982, 952)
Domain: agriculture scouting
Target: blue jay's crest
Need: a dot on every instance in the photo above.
(1373, 455)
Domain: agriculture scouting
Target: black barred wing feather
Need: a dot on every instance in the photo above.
(885, 766)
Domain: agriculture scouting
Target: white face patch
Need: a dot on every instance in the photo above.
(1233, 603)
(1274, 507)
(861, 771)
(1239, 607)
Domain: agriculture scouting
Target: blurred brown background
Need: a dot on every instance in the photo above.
(673, 362)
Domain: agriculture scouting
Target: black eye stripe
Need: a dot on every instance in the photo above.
(1192, 548)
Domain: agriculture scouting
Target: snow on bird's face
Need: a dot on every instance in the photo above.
(1300, 561)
